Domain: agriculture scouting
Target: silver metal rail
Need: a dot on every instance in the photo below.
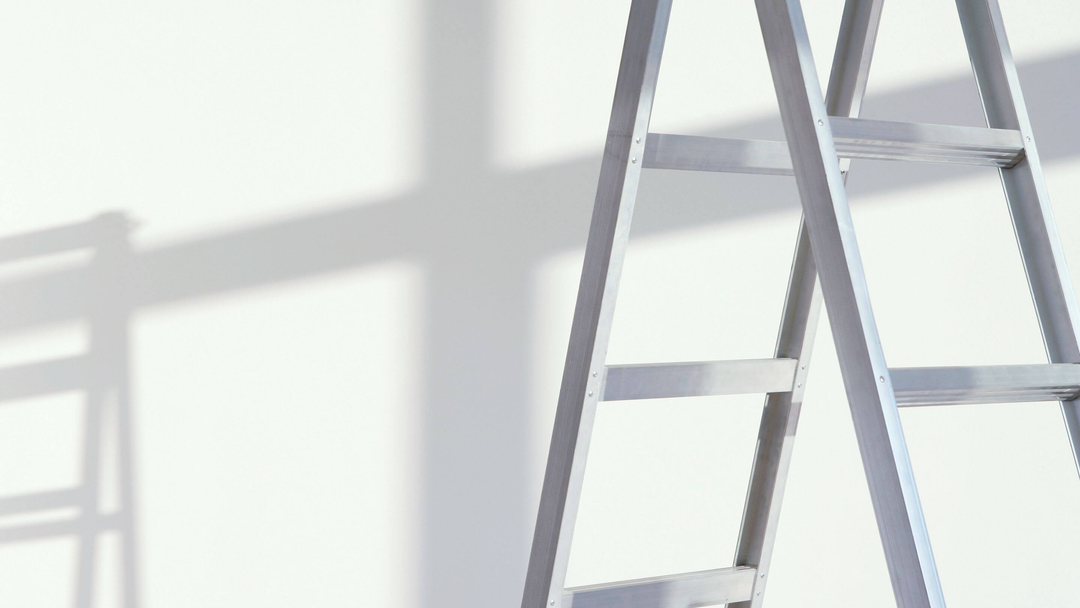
(854, 138)
(881, 139)
(705, 588)
(595, 309)
(717, 154)
(917, 386)
(698, 379)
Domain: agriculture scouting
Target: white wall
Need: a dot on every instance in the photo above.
(326, 310)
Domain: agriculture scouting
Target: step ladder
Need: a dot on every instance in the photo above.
(100, 376)
(819, 131)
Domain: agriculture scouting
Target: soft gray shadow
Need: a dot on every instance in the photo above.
(479, 233)
(100, 376)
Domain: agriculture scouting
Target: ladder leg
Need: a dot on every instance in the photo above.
(591, 328)
(802, 309)
(779, 419)
(843, 282)
(1025, 190)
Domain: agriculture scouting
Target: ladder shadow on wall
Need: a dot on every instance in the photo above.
(100, 505)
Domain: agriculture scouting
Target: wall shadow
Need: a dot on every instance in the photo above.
(100, 378)
(479, 233)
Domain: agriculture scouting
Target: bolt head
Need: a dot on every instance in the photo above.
(820, 122)
(633, 160)
(881, 378)
(637, 141)
(590, 393)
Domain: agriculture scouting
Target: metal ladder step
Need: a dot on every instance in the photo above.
(914, 386)
(705, 588)
(918, 386)
(697, 379)
(854, 138)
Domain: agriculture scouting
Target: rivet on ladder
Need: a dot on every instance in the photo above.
(637, 141)
(820, 122)
(881, 378)
(590, 393)
(633, 160)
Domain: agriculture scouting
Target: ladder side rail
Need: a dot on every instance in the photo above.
(620, 171)
(802, 310)
(779, 421)
(843, 282)
(1026, 193)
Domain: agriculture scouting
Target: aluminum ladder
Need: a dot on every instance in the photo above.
(819, 130)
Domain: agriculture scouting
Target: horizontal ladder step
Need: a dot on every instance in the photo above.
(705, 588)
(861, 138)
(693, 153)
(854, 137)
(697, 379)
(918, 386)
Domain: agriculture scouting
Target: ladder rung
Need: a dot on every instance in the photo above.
(916, 386)
(705, 588)
(48, 377)
(861, 138)
(697, 379)
(854, 137)
(693, 153)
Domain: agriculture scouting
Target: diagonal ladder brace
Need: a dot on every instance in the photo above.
(823, 132)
